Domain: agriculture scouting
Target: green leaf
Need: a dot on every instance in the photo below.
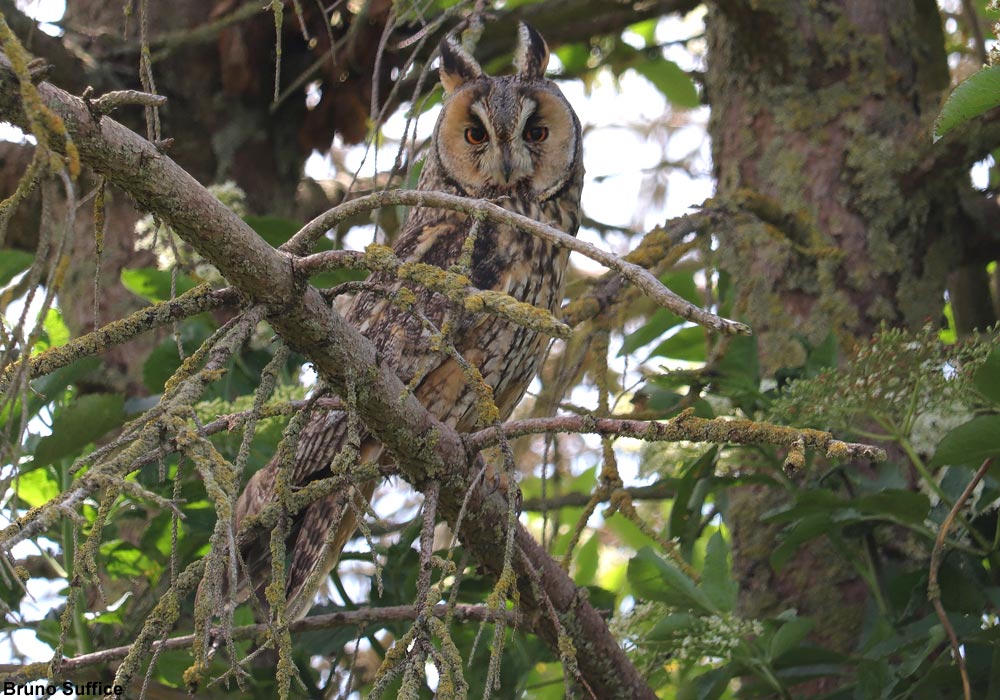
(659, 323)
(277, 230)
(84, 420)
(977, 94)
(628, 532)
(653, 578)
(670, 80)
(12, 263)
(686, 344)
(36, 487)
(49, 388)
(970, 443)
(716, 581)
(948, 333)
(821, 356)
(662, 320)
(160, 365)
(55, 328)
(987, 377)
(671, 627)
(789, 635)
(653, 398)
(685, 514)
(325, 280)
(709, 685)
(152, 284)
(739, 370)
(806, 529)
(586, 560)
(806, 503)
(123, 560)
(646, 29)
(899, 505)
(164, 359)
(575, 58)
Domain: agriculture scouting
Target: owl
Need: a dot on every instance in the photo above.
(516, 141)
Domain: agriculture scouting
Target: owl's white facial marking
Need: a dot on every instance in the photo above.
(503, 156)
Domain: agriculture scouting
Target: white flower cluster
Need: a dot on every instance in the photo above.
(717, 636)
(932, 425)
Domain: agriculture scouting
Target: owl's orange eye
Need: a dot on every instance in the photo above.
(536, 134)
(476, 135)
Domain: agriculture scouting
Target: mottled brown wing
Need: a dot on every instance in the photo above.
(505, 353)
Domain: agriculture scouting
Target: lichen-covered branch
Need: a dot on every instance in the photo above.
(302, 241)
(363, 616)
(111, 463)
(684, 427)
(192, 302)
(654, 252)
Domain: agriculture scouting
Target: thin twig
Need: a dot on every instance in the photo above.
(302, 242)
(934, 589)
(188, 304)
(110, 101)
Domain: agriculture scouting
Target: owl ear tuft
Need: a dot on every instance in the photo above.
(457, 65)
(532, 54)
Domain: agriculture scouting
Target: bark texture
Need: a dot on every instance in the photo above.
(821, 126)
(823, 112)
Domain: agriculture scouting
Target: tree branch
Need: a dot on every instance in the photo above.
(302, 241)
(684, 427)
(361, 616)
(192, 302)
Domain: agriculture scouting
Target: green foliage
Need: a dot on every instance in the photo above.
(887, 385)
(689, 635)
(670, 80)
(970, 443)
(13, 263)
(910, 390)
(79, 423)
(153, 284)
(976, 95)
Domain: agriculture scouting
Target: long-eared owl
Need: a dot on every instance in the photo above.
(513, 140)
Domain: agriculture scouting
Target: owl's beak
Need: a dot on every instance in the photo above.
(508, 164)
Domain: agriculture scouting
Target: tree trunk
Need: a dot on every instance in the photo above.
(821, 131)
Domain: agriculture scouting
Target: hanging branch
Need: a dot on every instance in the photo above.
(303, 241)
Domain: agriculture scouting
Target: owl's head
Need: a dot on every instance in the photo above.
(508, 133)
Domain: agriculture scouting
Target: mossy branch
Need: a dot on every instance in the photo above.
(423, 446)
(192, 302)
(362, 616)
(684, 427)
(303, 241)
